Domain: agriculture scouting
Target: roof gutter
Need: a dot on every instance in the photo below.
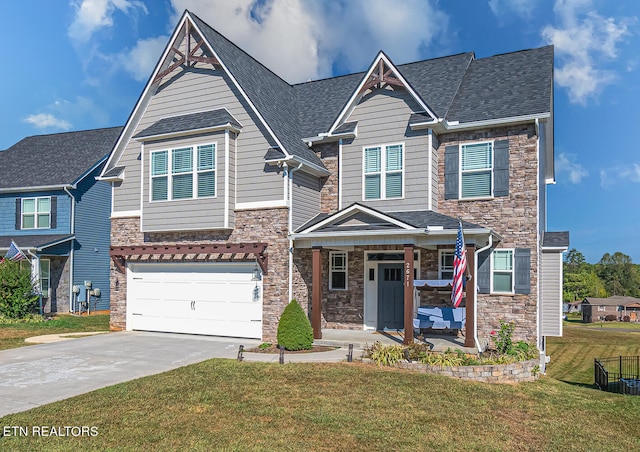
(425, 231)
(292, 161)
(456, 125)
(38, 188)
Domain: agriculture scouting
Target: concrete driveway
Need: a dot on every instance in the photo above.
(40, 374)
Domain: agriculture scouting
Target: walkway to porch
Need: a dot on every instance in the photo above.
(360, 339)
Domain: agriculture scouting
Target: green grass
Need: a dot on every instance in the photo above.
(226, 405)
(572, 354)
(12, 335)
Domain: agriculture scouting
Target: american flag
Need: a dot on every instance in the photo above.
(459, 269)
(14, 254)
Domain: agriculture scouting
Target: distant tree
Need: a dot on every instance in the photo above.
(619, 274)
(574, 258)
(578, 286)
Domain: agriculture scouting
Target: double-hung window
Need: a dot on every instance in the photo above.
(383, 172)
(445, 267)
(502, 271)
(36, 213)
(338, 271)
(183, 173)
(476, 170)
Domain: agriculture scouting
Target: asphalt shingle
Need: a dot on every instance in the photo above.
(55, 159)
(193, 121)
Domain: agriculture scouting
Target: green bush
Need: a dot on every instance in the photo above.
(385, 355)
(294, 328)
(17, 299)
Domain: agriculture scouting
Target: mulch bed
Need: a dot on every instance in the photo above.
(273, 348)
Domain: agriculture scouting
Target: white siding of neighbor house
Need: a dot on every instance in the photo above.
(306, 198)
(383, 118)
(551, 293)
(196, 90)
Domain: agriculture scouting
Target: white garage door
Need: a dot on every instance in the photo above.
(218, 299)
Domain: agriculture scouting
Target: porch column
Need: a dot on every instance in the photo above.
(408, 294)
(470, 324)
(316, 293)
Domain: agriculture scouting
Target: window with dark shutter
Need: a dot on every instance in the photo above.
(484, 272)
(18, 214)
(522, 270)
(501, 168)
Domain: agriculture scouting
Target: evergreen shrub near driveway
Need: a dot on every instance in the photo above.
(294, 328)
(17, 299)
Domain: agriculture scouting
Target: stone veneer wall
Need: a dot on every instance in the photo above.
(519, 372)
(59, 270)
(514, 217)
(264, 225)
(328, 153)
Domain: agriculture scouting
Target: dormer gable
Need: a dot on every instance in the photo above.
(381, 73)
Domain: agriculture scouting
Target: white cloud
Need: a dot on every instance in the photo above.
(46, 121)
(301, 40)
(522, 8)
(91, 15)
(584, 42)
(140, 61)
(565, 163)
(619, 174)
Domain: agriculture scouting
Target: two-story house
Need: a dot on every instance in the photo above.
(235, 192)
(56, 212)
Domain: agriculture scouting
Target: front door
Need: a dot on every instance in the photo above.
(390, 297)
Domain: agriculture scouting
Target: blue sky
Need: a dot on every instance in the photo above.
(82, 64)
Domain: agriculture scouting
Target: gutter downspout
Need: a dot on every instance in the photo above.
(475, 294)
(72, 231)
(290, 227)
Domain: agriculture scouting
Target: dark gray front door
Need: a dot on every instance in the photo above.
(390, 296)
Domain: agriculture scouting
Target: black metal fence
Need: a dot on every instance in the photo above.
(621, 374)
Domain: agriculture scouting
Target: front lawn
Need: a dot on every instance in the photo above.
(12, 335)
(226, 405)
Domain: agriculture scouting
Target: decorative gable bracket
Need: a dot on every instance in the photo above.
(383, 74)
(189, 57)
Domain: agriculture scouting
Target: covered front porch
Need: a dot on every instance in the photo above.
(363, 264)
(363, 338)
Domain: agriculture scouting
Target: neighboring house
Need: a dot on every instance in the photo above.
(597, 309)
(56, 212)
(235, 192)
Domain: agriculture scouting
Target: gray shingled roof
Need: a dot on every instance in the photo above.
(55, 160)
(507, 85)
(415, 218)
(616, 300)
(274, 154)
(556, 239)
(193, 121)
(347, 127)
(25, 242)
(114, 172)
(274, 98)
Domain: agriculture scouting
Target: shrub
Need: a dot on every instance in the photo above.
(385, 355)
(17, 299)
(610, 318)
(626, 318)
(504, 343)
(294, 328)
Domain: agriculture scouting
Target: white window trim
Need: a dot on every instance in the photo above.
(512, 271)
(332, 270)
(194, 172)
(382, 172)
(440, 268)
(460, 171)
(35, 213)
(46, 295)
